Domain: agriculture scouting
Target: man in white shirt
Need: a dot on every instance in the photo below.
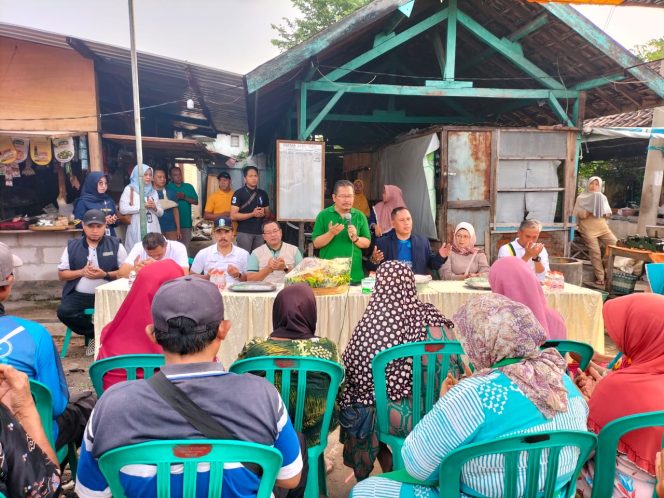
(222, 263)
(271, 261)
(527, 248)
(154, 247)
(87, 263)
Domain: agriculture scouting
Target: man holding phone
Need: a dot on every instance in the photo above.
(249, 207)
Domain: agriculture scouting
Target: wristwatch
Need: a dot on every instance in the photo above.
(537, 259)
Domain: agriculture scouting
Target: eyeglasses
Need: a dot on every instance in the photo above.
(272, 232)
(344, 196)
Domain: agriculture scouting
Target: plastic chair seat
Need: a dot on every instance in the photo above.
(129, 363)
(425, 394)
(287, 367)
(68, 332)
(191, 453)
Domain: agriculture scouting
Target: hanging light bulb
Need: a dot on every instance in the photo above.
(190, 103)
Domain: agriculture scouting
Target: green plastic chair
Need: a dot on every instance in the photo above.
(44, 404)
(534, 445)
(607, 448)
(190, 453)
(423, 354)
(584, 350)
(68, 332)
(287, 367)
(130, 363)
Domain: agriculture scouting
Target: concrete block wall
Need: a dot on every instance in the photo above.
(40, 252)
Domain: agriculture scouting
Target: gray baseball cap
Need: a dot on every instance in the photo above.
(94, 217)
(8, 262)
(190, 297)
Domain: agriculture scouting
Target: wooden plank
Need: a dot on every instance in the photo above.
(386, 46)
(570, 171)
(450, 61)
(533, 189)
(46, 88)
(94, 152)
(559, 111)
(506, 49)
(601, 81)
(468, 204)
(321, 115)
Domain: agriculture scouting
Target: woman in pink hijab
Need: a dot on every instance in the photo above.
(513, 278)
(380, 220)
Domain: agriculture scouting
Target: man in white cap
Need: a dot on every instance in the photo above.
(28, 347)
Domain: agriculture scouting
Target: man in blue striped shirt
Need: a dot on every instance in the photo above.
(188, 324)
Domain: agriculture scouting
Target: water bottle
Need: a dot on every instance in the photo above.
(132, 277)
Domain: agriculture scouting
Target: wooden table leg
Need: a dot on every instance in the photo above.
(608, 281)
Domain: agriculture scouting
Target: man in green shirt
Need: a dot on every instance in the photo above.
(341, 231)
(187, 197)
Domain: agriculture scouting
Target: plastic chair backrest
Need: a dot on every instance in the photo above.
(425, 393)
(607, 448)
(130, 363)
(44, 404)
(283, 368)
(190, 453)
(655, 272)
(535, 445)
(584, 350)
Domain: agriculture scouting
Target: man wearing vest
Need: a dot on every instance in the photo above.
(527, 248)
(87, 263)
(271, 261)
(249, 207)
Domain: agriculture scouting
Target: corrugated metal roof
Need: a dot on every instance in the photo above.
(162, 80)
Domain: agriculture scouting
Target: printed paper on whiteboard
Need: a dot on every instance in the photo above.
(300, 177)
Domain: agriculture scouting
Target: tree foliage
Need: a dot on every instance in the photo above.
(316, 16)
(651, 50)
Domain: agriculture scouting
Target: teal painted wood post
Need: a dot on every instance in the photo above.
(321, 115)
(450, 56)
(302, 115)
(559, 111)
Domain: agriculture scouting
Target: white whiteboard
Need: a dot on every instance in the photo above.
(300, 180)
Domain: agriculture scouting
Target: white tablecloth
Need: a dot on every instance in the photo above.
(251, 313)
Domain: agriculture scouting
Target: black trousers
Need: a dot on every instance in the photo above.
(71, 423)
(70, 312)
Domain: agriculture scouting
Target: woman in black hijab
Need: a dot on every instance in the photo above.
(294, 319)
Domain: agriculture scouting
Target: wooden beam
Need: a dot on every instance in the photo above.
(522, 32)
(507, 49)
(439, 50)
(422, 91)
(321, 115)
(559, 111)
(386, 46)
(395, 118)
(580, 110)
(302, 111)
(450, 61)
(605, 44)
(94, 152)
(193, 83)
(601, 81)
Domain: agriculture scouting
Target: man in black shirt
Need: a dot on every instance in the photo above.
(249, 206)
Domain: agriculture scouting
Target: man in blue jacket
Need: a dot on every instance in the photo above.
(402, 244)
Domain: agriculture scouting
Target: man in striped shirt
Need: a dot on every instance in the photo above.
(188, 323)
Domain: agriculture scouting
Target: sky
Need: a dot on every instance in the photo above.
(234, 35)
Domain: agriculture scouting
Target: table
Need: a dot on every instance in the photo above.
(627, 252)
(251, 313)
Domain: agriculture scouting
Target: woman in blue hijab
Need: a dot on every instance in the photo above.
(94, 196)
(130, 204)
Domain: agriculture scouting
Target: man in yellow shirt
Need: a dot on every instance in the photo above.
(218, 205)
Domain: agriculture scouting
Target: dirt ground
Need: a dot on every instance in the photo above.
(339, 479)
(76, 369)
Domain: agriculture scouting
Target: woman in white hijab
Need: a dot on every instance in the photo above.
(591, 211)
(465, 260)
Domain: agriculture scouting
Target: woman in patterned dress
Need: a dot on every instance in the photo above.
(294, 319)
(393, 316)
(516, 388)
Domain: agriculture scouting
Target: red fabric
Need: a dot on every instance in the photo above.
(636, 324)
(126, 333)
(514, 279)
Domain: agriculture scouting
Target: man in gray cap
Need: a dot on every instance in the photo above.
(28, 347)
(87, 263)
(188, 317)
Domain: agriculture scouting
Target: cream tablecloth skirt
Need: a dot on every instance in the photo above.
(251, 313)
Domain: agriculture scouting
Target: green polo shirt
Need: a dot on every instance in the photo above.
(341, 246)
(184, 208)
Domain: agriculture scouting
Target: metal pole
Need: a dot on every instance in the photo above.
(137, 120)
